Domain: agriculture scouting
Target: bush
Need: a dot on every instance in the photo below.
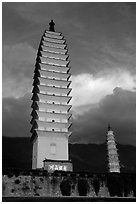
(3, 187)
(115, 184)
(133, 182)
(65, 187)
(83, 187)
(10, 175)
(127, 185)
(96, 185)
(54, 181)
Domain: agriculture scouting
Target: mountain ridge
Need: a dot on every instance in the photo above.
(17, 153)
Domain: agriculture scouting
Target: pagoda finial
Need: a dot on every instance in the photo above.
(109, 127)
(51, 26)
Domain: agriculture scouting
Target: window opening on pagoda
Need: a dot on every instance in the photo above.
(53, 148)
(53, 120)
(53, 130)
(53, 111)
(53, 94)
(53, 102)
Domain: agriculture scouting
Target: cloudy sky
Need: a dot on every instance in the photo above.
(101, 43)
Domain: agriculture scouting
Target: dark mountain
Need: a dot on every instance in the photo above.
(17, 153)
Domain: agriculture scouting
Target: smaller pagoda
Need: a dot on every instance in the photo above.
(113, 160)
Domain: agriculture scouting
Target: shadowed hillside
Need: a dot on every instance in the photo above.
(17, 153)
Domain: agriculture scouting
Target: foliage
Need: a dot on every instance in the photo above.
(115, 184)
(96, 185)
(65, 187)
(83, 187)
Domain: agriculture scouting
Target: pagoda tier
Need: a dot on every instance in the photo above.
(51, 117)
(53, 61)
(45, 98)
(50, 126)
(54, 55)
(51, 90)
(53, 33)
(51, 75)
(60, 37)
(56, 45)
(53, 68)
(54, 49)
(113, 160)
(53, 40)
(50, 134)
(51, 82)
(47, 106)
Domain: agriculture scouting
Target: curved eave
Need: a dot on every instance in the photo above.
(54, 55)
(49, 44)
(51, 75)
(53, 40)
(42, 133)
(53, 33)
(52, 90)
(38, 96)
(53, 49)
(36, 104)
(48, 67)
(53, 36)
(51, 124)
(45, 114)
(54, 61)
(56, 83)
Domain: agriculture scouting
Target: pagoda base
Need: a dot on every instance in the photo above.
(57, 165)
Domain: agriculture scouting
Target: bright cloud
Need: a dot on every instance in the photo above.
(88, 89)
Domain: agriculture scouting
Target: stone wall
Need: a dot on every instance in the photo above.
(68, 184)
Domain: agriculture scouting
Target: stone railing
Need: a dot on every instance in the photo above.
(43, 184)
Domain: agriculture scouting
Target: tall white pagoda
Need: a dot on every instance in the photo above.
(51, 110)
(113, 160)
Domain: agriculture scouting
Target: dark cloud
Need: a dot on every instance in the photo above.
(19, 60)
(15, 29)
(18, 66)
(117, 109)
(16, 116)
(99, 35)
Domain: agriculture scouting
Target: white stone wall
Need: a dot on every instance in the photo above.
(44, 144)
(34, 156)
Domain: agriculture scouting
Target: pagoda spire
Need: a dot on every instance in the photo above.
(51, 26)
(109, 127)
(113, 160)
